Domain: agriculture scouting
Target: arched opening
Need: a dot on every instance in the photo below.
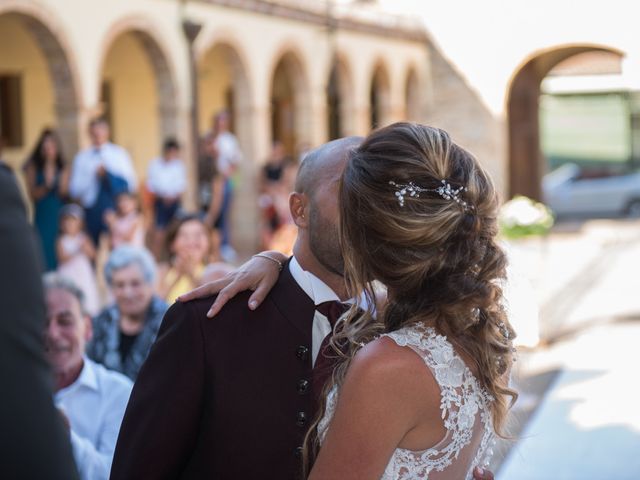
(37, 88)
(339, 101)
(289, 104)
(379, 101)
(223, 85)
(527, 164)
(412, 99)
(138, 96)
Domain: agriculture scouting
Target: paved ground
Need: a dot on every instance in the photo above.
(579, 413)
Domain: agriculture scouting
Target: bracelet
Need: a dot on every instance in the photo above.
(278, 262)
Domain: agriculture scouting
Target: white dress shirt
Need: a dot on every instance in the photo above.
(84, 183)
(167, 178)
(229, 154)
(94, 404)
(319, 292)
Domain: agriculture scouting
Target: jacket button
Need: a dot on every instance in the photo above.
(301, 419)
(303, 386)
(298, 452)
(302, 353)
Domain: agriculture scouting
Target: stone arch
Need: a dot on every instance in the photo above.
(161, 111)
(525, 158)
(224, 84)
(412, 96)
(340, 97)
(379, 96)
(44, 30)
(290, 101)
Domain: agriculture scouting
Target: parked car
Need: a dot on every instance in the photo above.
(571, 191)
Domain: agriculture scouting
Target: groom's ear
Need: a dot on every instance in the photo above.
(298, 205)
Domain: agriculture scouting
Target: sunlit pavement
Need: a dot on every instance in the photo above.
(579, 414)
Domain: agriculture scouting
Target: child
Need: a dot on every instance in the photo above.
(125, 224)
(75, 253)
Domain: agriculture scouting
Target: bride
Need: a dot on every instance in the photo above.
(420, 389)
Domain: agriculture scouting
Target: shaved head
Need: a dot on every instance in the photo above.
(314, 205)
(321, 162)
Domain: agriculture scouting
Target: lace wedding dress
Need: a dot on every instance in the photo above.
(465, 409)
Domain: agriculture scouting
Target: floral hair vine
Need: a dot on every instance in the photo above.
(445, 190)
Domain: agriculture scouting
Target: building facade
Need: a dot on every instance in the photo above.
(301, 72)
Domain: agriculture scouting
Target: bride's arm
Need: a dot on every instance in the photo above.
(378, 405)
(258, 274)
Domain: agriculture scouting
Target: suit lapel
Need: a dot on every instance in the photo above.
(292, 302)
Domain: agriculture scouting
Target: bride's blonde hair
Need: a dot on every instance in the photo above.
(438, 257)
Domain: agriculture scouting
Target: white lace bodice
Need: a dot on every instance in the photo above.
(465, 409)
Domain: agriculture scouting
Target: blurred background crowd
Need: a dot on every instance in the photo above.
(87, 207)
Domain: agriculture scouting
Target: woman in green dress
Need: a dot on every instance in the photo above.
(47, 176)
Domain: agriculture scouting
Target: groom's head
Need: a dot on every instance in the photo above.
(314, 204)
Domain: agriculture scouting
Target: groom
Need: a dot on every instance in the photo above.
(232, 398)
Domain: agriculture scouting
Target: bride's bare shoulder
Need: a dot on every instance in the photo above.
(384, 362)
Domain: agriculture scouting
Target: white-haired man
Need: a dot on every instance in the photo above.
(90, 397)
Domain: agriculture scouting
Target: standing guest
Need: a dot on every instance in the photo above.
(123, 332)
(274, 166)
(76, 254)
(270, 187)
(283, 236)
(33, 443)
(188, 245)
(47, 178)
(91, 398)
(98, 175)
(228, 156)
(126, 225)
(167, 181)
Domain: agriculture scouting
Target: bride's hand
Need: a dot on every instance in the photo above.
(258, 274)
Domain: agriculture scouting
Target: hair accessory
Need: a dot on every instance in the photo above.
(445, 190)
(504, 331)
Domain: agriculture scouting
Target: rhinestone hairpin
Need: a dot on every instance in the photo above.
(445, 190)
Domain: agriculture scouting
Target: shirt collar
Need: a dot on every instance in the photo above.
(87, 378)
(318, 291)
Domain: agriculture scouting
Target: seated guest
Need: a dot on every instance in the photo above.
(91, 398)
(124, 332)
(189, 246)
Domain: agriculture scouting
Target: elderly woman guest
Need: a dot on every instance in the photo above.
(124, 332)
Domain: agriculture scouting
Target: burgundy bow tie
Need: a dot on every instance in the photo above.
(333, 310)
(326, 359)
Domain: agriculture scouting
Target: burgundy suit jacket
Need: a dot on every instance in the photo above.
(223, 398)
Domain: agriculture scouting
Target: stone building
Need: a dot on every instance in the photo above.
(292, 70)
(301, 71)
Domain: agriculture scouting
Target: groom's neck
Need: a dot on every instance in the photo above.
(310, 263)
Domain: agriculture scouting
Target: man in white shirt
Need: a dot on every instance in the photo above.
(91, 398)
(98, 174)
(167, 180)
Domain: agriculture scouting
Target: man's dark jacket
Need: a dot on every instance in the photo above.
(223, 398)
(33, 442)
